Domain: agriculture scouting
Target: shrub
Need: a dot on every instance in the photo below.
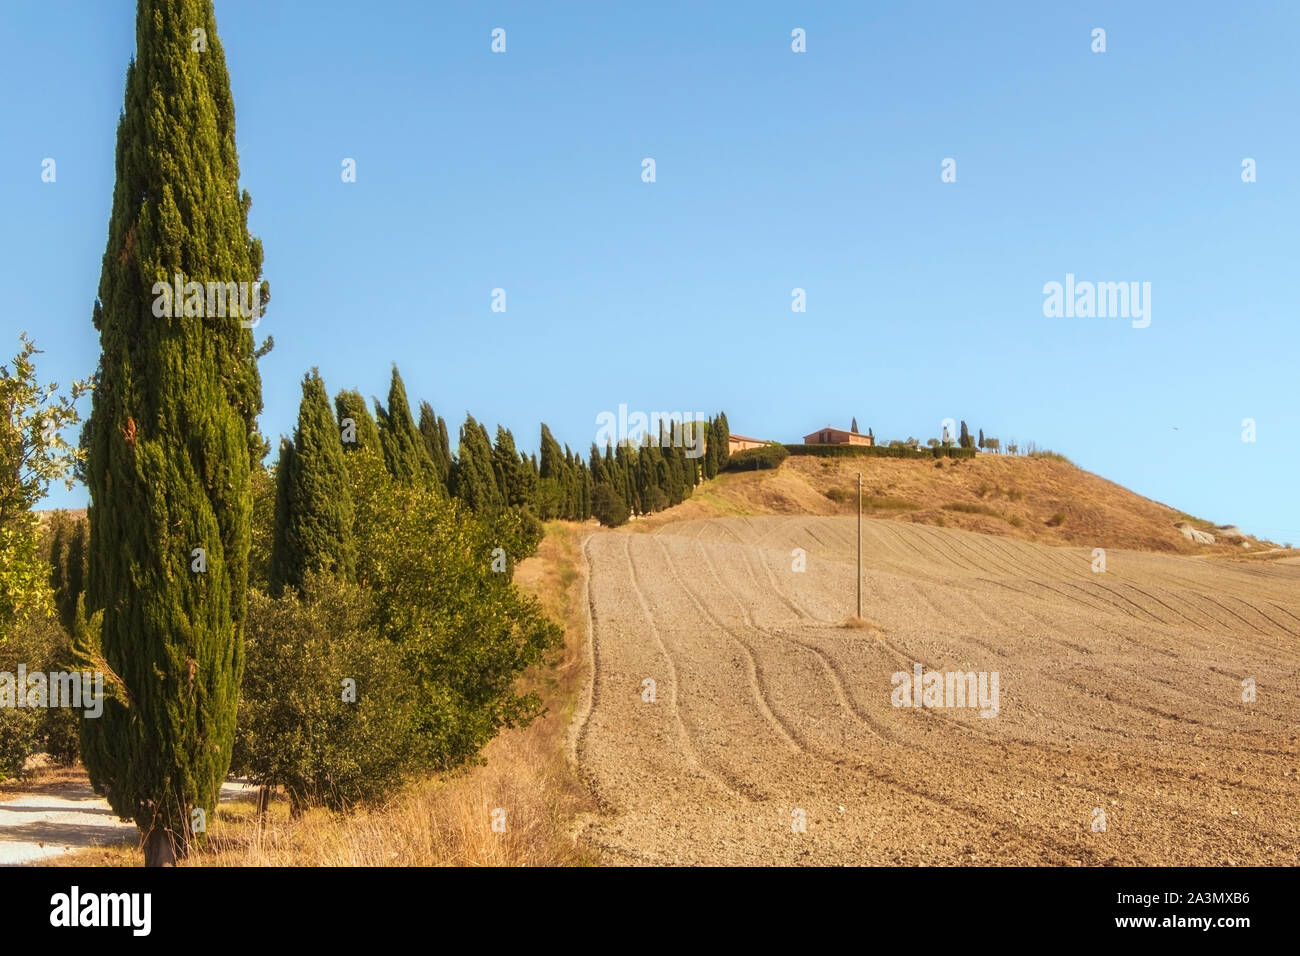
(18, 739)
(763, 457)
(297, 729)
(1056, 520)
(894, 449)
(466, 632)
(1016, 521)
(608, 506)
(970, 509)
(839, 495)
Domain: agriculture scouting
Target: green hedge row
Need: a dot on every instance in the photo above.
(879, 451)
(752, 459)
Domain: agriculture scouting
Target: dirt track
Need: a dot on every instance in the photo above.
(1119, 691)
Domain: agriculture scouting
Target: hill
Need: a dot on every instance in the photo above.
(1046, 500)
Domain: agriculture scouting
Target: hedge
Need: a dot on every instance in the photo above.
(880, 451)
(752, 459)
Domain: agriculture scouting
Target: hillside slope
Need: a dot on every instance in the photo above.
(1043, 500)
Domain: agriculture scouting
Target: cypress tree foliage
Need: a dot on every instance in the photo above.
(854, 427)
(981, 441)
(173, 438)
(473, 480)
(356, 426)
(723, 433)
(433, 430)
(964, 441)
(58, 570)
(510, 470)
(710, 450)
(405, 454)
(313, 520)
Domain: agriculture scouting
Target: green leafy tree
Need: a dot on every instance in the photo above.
(33, 454)
(313, 519)
(465, 631)
(173, 436)
(327, 711)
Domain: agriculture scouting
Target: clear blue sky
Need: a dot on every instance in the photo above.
(775, 170)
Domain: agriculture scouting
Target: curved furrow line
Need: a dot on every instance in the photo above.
(993, 561)
(1264, 616)
(735, 788)
(1123, 597)
(1036, 559)
(1106, 607)
(948, 551)
(755, 671)
(1147, 594)
(832, 670)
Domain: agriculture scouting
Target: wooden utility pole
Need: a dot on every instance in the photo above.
(859, 545)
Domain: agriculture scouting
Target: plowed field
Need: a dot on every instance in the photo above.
(1121, 735)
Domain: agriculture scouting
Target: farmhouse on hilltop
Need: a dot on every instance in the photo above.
(737, 443)
(837, 436)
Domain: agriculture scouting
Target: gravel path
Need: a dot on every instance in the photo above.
(773, 736)
(51, 818)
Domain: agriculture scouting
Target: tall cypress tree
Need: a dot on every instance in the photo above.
(433, 430)
(172, 437)
(313, 517)
(404, 451)
(357, 427)
(723, 433)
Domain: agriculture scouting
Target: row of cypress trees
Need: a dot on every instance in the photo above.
(488, 476)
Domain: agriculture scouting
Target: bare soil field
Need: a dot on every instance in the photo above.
(1121, 735)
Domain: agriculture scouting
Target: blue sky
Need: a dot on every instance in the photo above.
(774, 170)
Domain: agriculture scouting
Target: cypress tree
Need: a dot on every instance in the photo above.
(74, 575)
(473, 480)
(58, 573)
(854, 427)
(509, 470)
(405, 454)
(723, 432)
(313, 518)
(172, 439)
(356, 425)
(710, 450)
(433, 430)
(964, 440)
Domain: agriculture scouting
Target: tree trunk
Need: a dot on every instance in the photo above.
(159, 850)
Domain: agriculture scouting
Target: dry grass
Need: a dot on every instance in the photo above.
(445, 821)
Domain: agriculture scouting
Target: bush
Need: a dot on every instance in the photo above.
(970, 509)
(839, 495)
(608, 506)
(893, 450)
(18, 739)
(296, 729)
(1056, 520)
(466, 633)
(1016, 521)
(763, 457)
